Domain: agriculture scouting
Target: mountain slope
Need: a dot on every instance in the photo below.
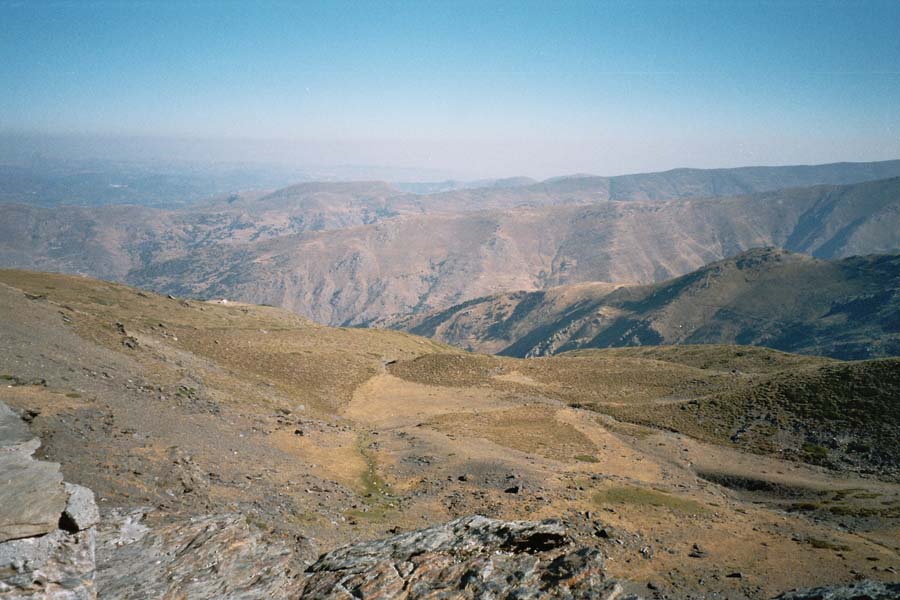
(847, 308)
(357, 253)
(419, 263)
(827, 409)
(183, 415)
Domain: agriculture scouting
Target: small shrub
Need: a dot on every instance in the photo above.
(815, 452)
(586, 458)
(826, 545)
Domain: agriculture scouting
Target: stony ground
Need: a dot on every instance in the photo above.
(319, 437)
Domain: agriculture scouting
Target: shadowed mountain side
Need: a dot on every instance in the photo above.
(847, 308)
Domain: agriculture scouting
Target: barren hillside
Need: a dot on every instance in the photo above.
(229, 433)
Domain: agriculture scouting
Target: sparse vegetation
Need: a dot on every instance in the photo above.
(346, 433)
(644, 497)
(826, 545)
(814, 452)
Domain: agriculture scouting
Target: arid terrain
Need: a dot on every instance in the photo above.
(364, 253)
(697, 471)
(366, 300)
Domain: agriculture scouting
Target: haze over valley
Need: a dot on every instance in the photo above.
(450, 300)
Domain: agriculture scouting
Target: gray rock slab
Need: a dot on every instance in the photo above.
(467, 558)
(57, 566)
(81, 509)
(32, 496)
(215, 556)
(861, 590)
(14, 433)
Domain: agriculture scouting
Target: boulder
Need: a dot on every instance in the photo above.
(31, 491)
(81, 510)
(470, 557)
(38, 559)
(211, 556)
(14, 433)
(55, 566)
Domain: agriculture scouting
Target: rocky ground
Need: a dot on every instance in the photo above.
(47, 528)
(202, 427)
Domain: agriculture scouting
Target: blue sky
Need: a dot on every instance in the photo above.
(480, 88)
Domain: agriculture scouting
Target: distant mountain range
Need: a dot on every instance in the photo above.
(46, 182)
(361, 253)
(416, 263)
(43, 182)
(680, 183)
(847, 309)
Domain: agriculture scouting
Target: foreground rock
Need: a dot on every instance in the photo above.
(212, 556)
(862, 590)
(470, 557)
(31, 491)
(46, 529)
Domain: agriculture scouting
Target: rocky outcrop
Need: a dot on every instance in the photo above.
(862, 590)
(470, 557)
(47, 537)
(212, 556)
(32, 495)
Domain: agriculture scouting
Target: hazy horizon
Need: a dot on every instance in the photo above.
(457, 90)
(166, 154)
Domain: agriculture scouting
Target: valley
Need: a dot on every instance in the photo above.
(504, 300)
(366, 253)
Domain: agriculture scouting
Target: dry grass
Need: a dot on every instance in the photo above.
(534, 430)
(642, 497)
(384, 445)
(714, 357)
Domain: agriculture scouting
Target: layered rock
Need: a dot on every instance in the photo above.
(47, 537)
(210, 556)
(470, 557)
(861, 590)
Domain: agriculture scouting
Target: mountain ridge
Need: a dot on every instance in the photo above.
(847, 308)
(354, 254)
(418, 263)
